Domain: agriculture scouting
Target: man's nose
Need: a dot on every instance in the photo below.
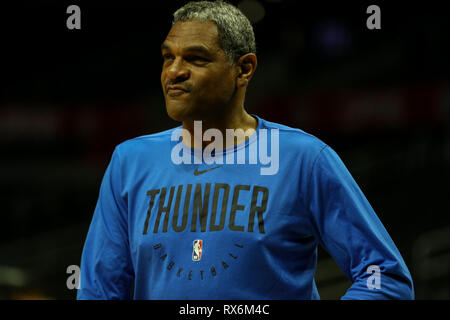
(177, 71)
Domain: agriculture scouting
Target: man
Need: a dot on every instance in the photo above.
(205, 228)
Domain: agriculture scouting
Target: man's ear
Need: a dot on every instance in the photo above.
(246, 68)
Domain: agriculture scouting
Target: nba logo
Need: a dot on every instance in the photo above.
(197, 250)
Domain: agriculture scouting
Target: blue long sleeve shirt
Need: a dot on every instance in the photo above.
(163, 230)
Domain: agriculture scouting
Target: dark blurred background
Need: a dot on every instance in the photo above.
(380, 98)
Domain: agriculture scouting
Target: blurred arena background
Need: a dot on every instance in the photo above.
(380, 98)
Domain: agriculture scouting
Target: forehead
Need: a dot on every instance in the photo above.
(193, 32)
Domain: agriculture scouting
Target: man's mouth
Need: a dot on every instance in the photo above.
(176, 90)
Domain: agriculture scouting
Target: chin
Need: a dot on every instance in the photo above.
(174, 115)
(177, 112)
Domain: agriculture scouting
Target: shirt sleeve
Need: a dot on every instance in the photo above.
(347, 227)
(106, 268)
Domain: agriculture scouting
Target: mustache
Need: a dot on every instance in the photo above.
(186, 85)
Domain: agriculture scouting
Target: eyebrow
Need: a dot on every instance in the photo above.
(195, 48)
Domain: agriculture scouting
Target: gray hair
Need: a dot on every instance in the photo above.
(236, 36)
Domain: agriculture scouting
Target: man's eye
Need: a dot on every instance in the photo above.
(196, 59)
(167, 56)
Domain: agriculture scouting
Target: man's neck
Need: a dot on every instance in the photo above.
(237, 120)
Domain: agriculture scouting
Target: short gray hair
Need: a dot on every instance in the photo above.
(236, 36)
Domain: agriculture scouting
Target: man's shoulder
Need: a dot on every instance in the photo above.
(295, 138)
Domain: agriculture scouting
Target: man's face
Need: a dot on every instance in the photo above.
(197, 80)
